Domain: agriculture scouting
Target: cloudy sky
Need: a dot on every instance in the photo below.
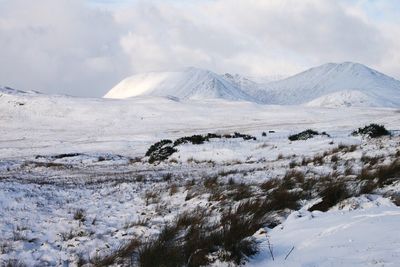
(84, 47)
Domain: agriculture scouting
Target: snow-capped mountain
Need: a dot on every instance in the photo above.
(191, 83)
(331, 84)
(12, 91)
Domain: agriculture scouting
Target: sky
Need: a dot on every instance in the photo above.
(85, 47)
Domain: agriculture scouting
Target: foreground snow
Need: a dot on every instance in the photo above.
(363, 237)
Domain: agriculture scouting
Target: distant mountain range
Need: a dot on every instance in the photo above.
(329, 85)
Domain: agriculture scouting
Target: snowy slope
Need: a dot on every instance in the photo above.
(191, 83)
(364, 237)
(40, 193)
(349, 98)
(326, 80)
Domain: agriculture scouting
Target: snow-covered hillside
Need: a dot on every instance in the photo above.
(76, 188)
(348, 98)
(191, 83)
(344, 84)
(29, 121)
(325, 80)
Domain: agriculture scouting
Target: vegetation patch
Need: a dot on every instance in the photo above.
(331, 195)
(304, 135)
(373, 130)
(194, 238)
(163, 149)
(160, 151)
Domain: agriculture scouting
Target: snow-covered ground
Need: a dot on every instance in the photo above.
(366, 236)
(33, 124)
(56, 209)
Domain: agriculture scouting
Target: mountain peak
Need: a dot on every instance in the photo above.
(346, 66)
(190, 83)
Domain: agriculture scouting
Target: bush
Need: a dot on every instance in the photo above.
(157, 146)
(210, 182)
(373, 130)
(163, 149)
(304, 135)
(244, 136)
(237, 229)
(194, 236)
(241, 191)
(162, 251)
(385, 174)
(269, 184)
(281, 199)
(194, 139)
(79, 215)
(333, 193)
(160, 151)
(162, 154)
(122, 252)
(388, 173)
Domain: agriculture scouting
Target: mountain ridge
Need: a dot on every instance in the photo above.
(330, 84)
(189, 84)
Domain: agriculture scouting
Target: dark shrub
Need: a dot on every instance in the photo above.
(241, 191)
(370, 160)
(238, 225)
(167, 177)
(160, 151)
(270, 184)
(332, 194)
(385, 174)
(213, 135)
(122, 252)
(163, 149)
(157, 146)
(68, 155)
(373, 130)
(291, 178)
(388, 173)
(368, 187)
(210, 182)
(193, 237)
(396, 199)
(79, 215)
(194, 139)
(244, 136)
(264, 134)
(292, 164)
(281, 199)
(304, 135)
(162, 251)
(162, 154)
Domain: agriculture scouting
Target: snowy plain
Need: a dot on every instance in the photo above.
(110, 179)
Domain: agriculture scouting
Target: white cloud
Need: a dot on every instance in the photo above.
(67, 46)
(59, 46)
(251, 36)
